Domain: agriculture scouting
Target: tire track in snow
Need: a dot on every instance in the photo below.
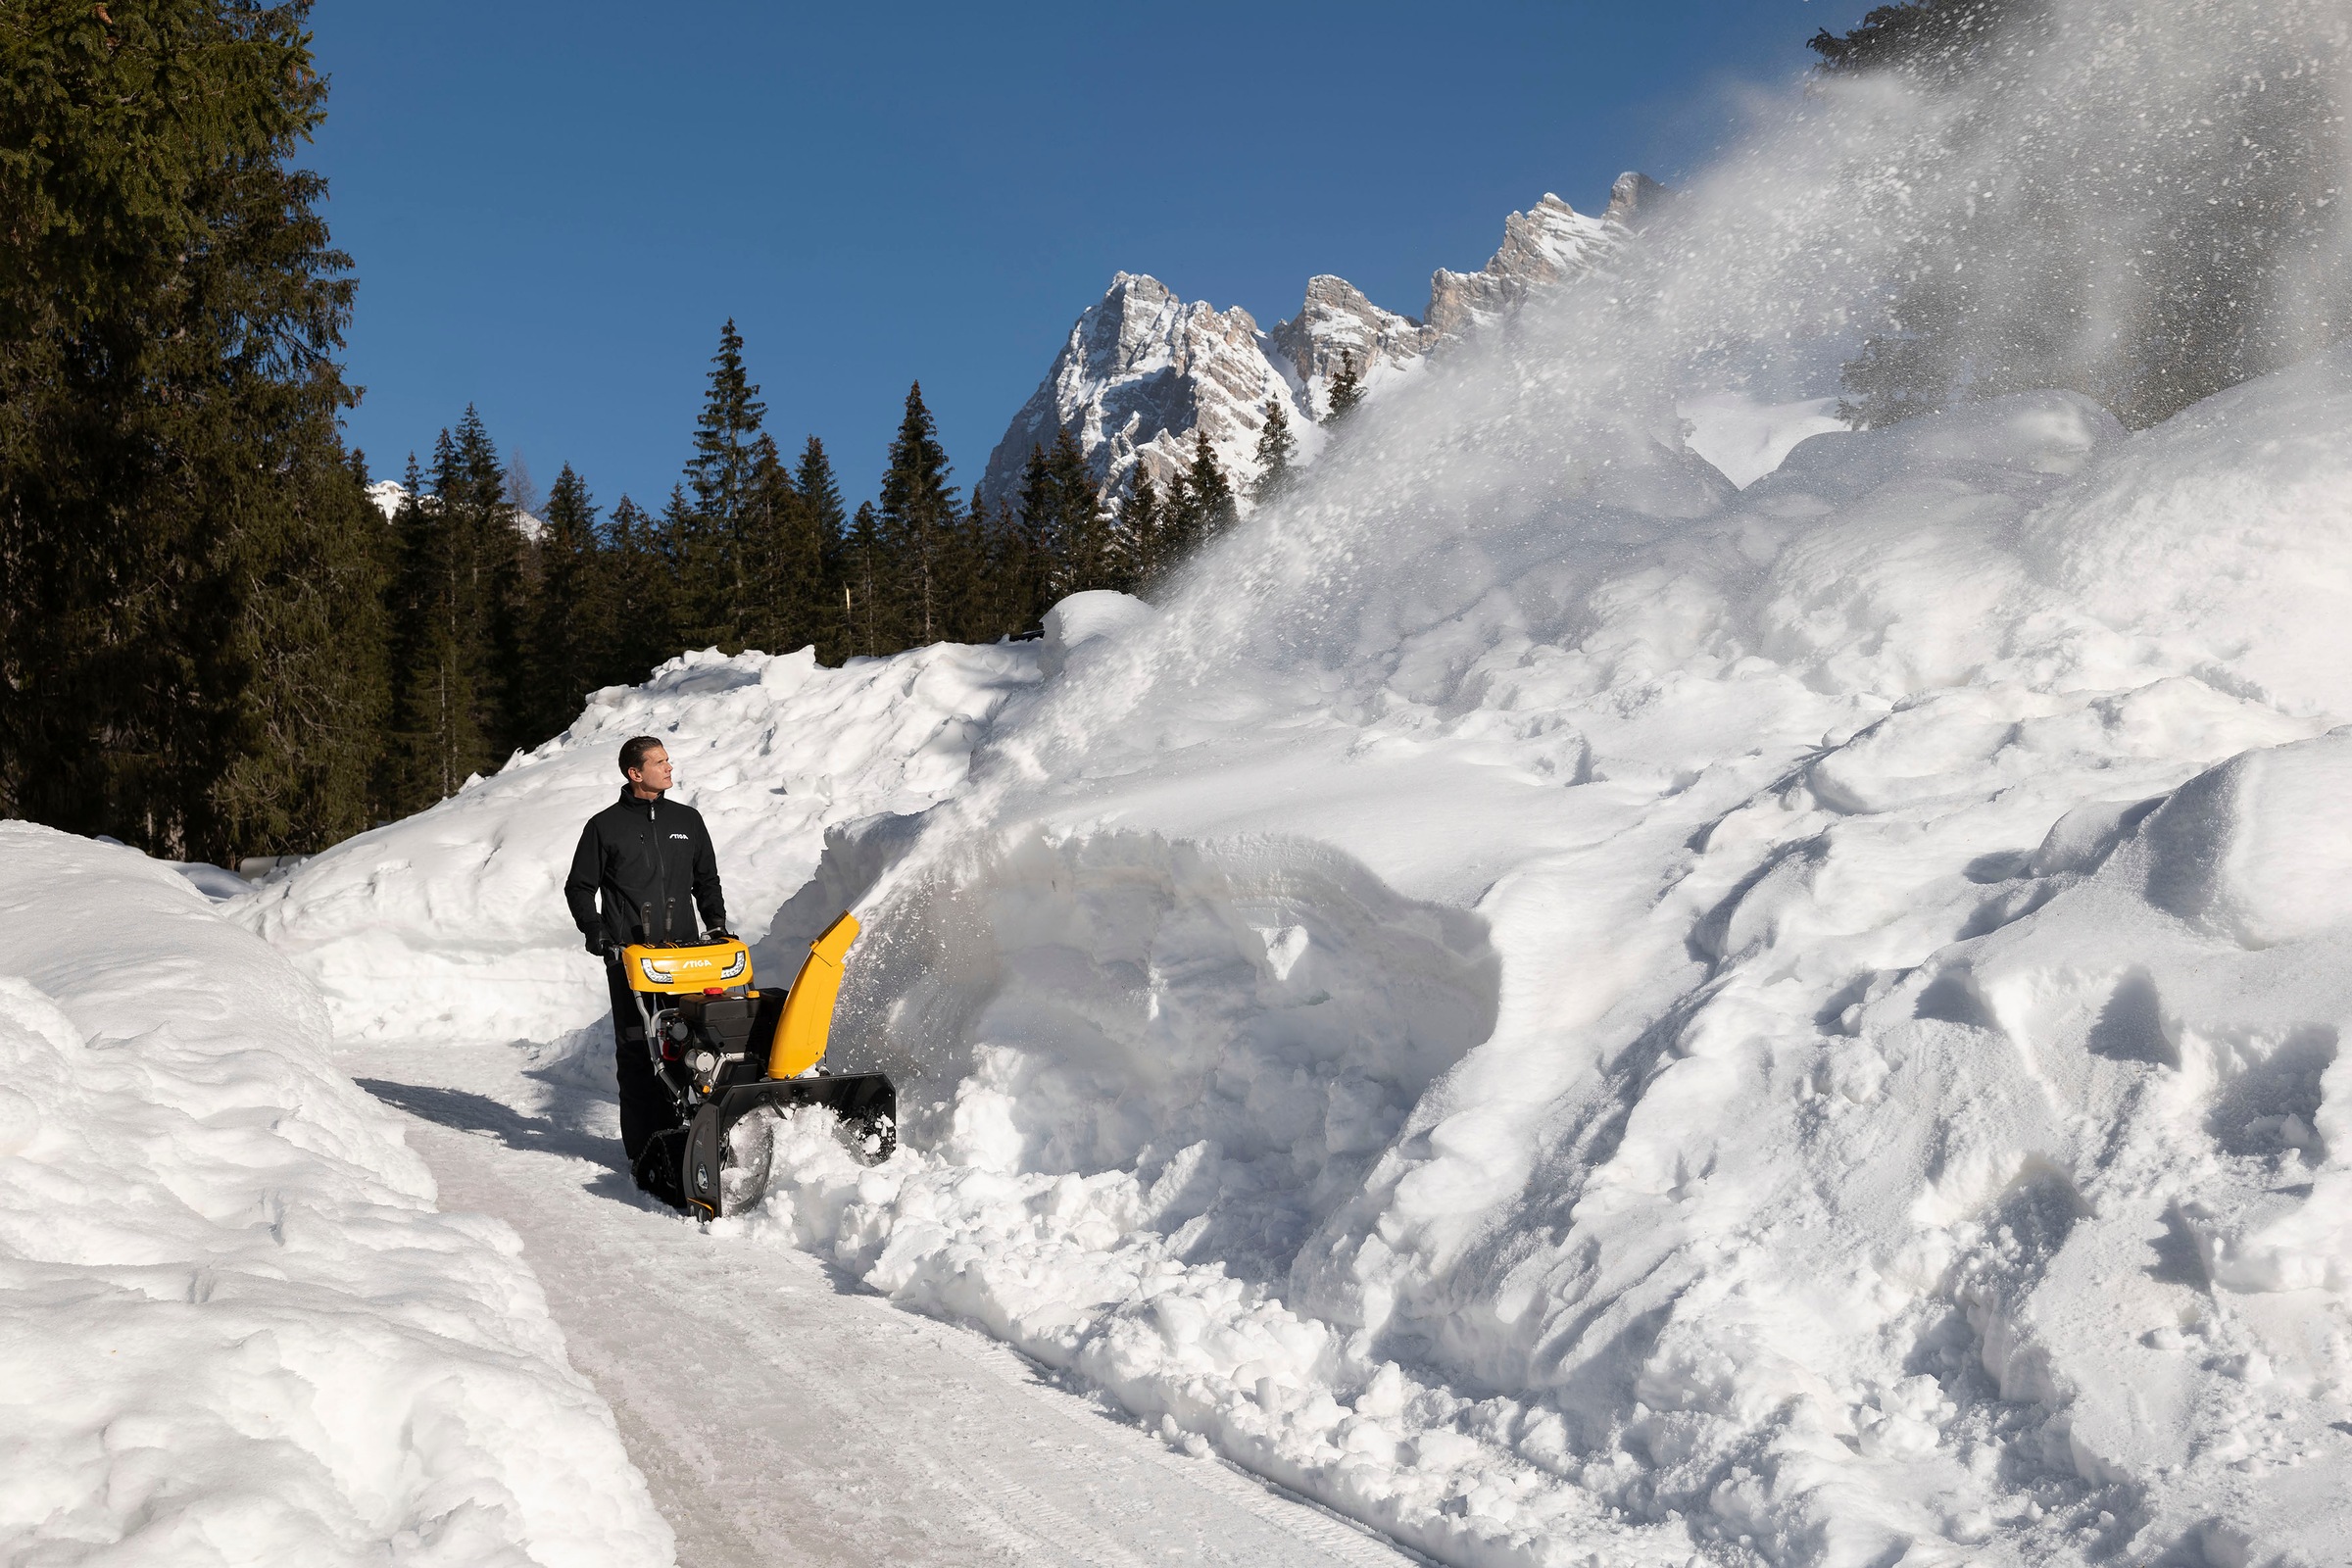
(1343, 1538)
(782, 1415)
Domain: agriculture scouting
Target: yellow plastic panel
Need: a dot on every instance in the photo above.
(807, 1021)
(694, 968)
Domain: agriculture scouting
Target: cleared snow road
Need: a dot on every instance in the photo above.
(784, 1416)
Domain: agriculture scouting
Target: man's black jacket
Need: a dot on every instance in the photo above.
(652, 863)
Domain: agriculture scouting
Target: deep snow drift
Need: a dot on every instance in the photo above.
(237, 1331)
(1872, 1113)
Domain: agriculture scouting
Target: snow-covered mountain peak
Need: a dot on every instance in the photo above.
(1634, 199)
(1141, 326)
(1338, 319)
(1138, 372)
(1142, 369)
(1549, 243)
(388, 495)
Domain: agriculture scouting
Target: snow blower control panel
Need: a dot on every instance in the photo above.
(689, 968)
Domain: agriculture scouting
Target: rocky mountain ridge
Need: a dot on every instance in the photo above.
(1143, 370)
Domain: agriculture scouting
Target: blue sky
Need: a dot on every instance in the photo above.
(554, 207)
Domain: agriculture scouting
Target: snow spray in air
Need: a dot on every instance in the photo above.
(2142, 203)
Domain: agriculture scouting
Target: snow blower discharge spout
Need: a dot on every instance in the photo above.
(724, 1050)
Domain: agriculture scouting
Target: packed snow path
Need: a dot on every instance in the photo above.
(782, 1415)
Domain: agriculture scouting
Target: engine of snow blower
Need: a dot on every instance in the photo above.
(724, 1050)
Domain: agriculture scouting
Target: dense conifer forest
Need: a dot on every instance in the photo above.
(499, 620)
(212, 642)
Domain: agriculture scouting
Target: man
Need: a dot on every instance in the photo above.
(649, 863)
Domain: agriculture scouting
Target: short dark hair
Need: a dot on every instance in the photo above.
(633, 750)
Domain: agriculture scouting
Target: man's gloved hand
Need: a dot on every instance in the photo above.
(599, 943)
(718, 934)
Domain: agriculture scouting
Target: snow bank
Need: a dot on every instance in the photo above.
(2245, 498)
(452, 924)
(1886, 1103)
(237, 1331)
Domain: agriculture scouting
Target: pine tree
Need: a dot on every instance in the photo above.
(1030, 552)
(1276, 446)
(1140, 543)
(867, 571)
(820, 501)
(1346, 392)
(573, 615)
(435, 711)
(464, 692)
(1199, 509)
(411, 628)
(504, 571)
(641, 588)
(814, 480)
(787, 559)
(1011, 573)
(307, 730)
(1081, 550)
(1206, 500)
(918, 506)
(716, 553)
(968, 601)
(190, 652)
(675, 536)
(1180, 530)
(377, 760)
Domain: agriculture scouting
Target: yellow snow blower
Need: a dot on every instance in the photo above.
(724, 1050)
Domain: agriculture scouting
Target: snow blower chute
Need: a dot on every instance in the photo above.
(724, 1050)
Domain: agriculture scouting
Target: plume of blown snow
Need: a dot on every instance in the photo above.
(1556, 437)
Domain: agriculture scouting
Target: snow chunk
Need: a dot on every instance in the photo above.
(1086, 617)
(2260, 848)
(1746, 440)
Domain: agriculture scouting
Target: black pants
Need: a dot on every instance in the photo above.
(644, 1105)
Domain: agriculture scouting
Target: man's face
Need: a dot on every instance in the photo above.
(651, 776)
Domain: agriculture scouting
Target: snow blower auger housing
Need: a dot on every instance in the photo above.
(724, 1050)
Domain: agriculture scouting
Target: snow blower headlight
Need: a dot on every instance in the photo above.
(657, 973)
(735, 964)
